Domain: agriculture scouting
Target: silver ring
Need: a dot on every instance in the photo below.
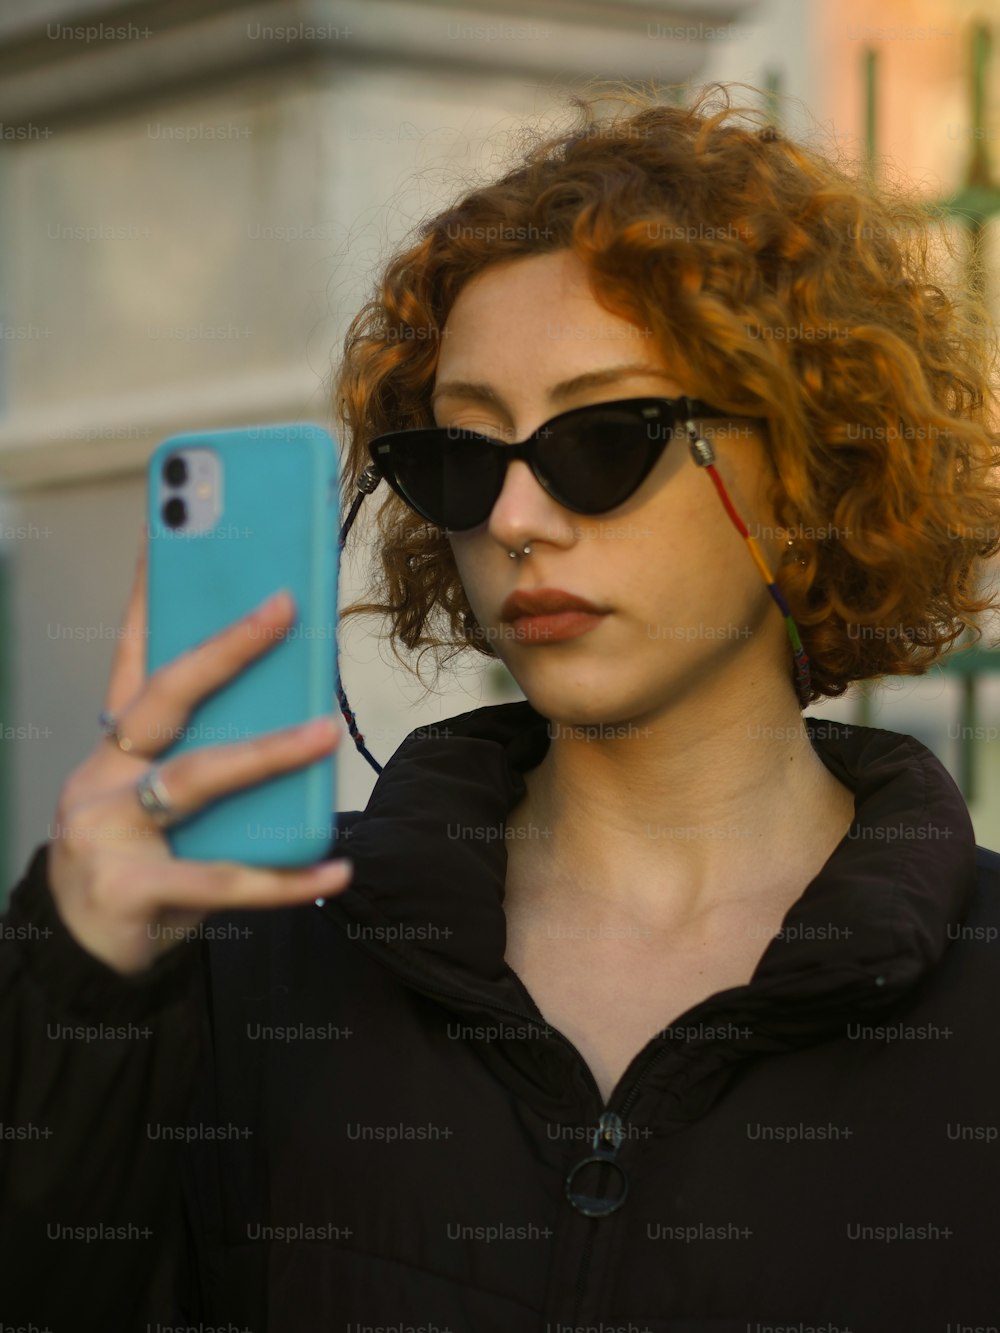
(514, 556)
(153, 796)
(109, 728)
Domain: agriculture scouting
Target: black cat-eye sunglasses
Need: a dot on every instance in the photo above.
(590, 459)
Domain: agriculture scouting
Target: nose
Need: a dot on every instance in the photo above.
(525, 512)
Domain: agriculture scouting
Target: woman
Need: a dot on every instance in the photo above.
(646, 1003)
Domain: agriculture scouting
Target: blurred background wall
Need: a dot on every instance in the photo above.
(193, 199)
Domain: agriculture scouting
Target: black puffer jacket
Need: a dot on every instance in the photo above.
(382, 1133)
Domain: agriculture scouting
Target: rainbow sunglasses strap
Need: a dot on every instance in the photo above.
(704, 455)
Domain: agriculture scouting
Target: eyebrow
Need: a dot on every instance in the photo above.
(591, 379)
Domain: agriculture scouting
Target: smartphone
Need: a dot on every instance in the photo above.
(234, 515)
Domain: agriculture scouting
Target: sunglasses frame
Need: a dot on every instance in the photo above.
(670, 411)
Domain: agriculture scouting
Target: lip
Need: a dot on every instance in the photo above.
(535, 602)
(556, 626)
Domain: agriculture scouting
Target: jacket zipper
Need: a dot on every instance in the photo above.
(610, 1125)
(610, 1128)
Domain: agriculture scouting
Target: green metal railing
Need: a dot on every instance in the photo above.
(968, 665)
(972, 206)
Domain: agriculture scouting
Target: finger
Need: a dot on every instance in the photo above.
(211, 886)
(157, 715)
(193, 779)
(128, 669)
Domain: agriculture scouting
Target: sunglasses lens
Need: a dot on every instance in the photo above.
(593, 461)
(449, 477)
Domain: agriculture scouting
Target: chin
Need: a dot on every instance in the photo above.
(598, 707)
(599, 692)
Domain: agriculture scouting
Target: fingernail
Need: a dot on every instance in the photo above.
(324, 727)
(332, 872)
(268, 604)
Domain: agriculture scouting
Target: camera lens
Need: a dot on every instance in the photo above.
(175, 470)
(174, 512)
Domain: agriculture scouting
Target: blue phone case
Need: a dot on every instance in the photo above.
(278, 527)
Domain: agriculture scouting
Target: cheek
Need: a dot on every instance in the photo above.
(694, 567)
(470, 562)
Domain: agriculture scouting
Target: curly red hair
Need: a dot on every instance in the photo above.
(798, 291)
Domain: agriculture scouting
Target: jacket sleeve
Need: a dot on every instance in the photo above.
(96, 1070)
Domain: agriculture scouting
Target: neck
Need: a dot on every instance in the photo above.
(665, 813)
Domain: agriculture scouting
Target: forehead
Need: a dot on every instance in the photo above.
(534, 321)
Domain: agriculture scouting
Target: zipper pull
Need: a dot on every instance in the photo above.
(608, 1138)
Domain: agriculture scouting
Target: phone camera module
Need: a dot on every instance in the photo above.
(175, 470)
(174, 512)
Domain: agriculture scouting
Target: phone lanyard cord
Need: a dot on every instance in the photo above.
(367, 482)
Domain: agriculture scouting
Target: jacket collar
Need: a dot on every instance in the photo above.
(430, 865)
